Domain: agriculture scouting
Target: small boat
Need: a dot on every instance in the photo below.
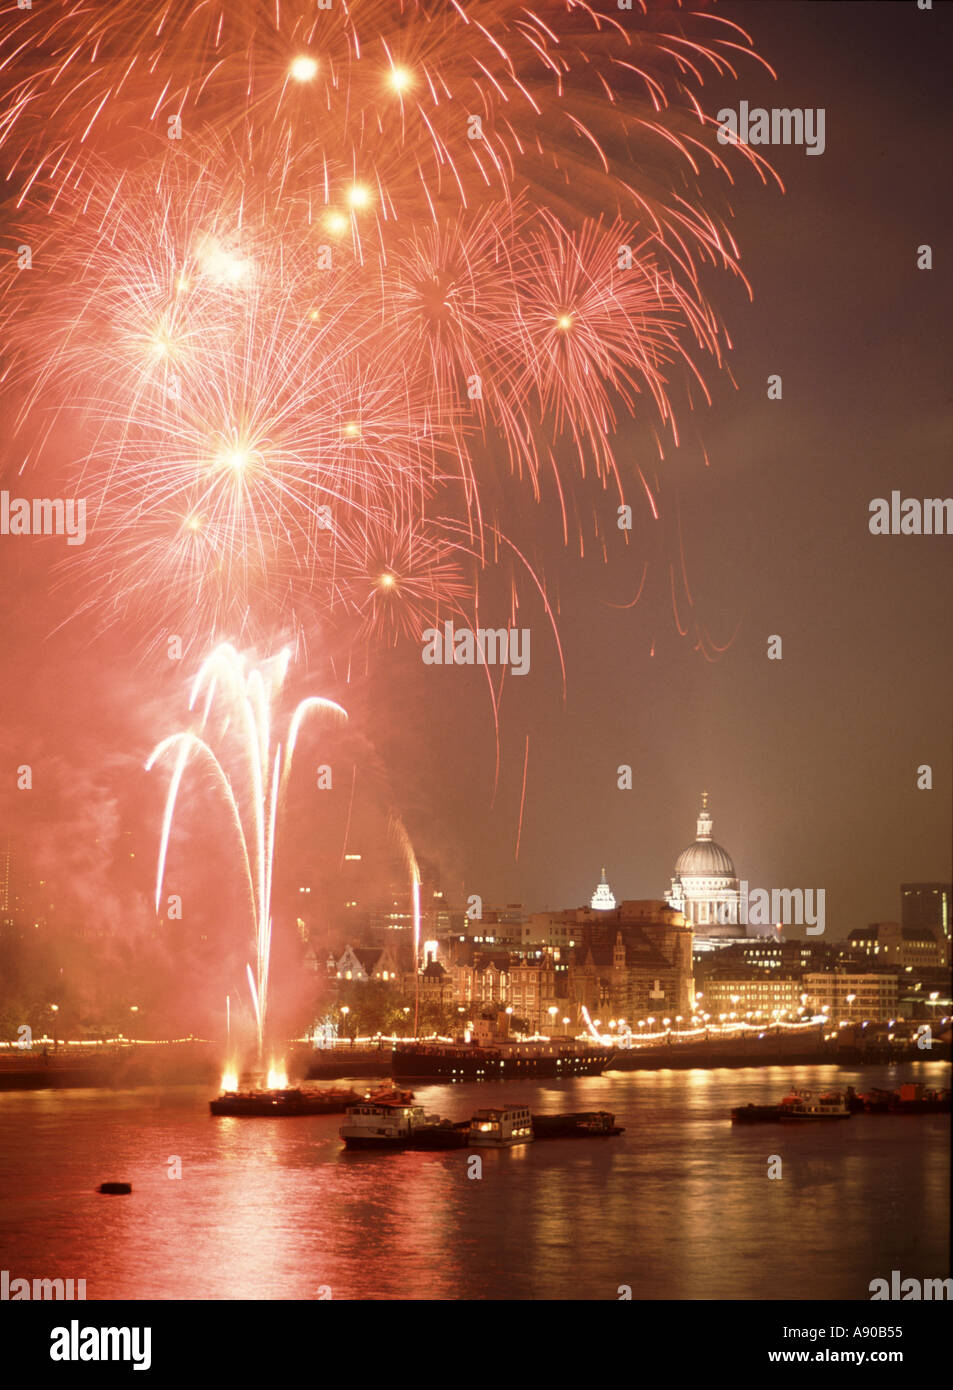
(754, 1114)
(803, 1105)
(380, 1126)
(588, 1124)
(502, 1128)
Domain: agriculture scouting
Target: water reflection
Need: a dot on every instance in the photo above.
(680, 1206)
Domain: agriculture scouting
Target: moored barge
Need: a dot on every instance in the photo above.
(588, 1124)
(499, 1062)
(911, 1099)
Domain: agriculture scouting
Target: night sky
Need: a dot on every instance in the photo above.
(810, 761)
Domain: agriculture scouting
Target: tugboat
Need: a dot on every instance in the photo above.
(502, 1128)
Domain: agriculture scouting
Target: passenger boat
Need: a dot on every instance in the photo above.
(589, 1124)
(384, 1126)
(502, 1128)
(803, 1105)
(799, 1105)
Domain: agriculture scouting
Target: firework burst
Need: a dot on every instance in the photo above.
(401, 258)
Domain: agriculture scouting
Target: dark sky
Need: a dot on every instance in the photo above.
(810, 761)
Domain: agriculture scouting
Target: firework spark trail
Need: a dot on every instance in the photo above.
(255, 794)
(399, 831)
(388, 82)
(519, 827)
(263, 440)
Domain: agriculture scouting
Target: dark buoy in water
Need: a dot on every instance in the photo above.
(118, 1189)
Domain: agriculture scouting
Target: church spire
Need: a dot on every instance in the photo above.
(704, 823)
(602, 899)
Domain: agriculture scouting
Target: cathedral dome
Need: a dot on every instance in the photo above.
(706, 860)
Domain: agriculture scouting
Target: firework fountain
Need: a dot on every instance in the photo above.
(235, 739)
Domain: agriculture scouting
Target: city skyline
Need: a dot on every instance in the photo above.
(476, 728)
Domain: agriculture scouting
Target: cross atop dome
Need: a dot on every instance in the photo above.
(704, 824)
(602, 899)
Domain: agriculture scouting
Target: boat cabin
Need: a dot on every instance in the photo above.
(510, 1124)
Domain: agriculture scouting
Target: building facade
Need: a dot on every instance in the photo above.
(927, 905)
(852, 998)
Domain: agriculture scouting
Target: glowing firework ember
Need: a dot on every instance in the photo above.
(235, 739)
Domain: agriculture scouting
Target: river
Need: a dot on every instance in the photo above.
(679, 1207)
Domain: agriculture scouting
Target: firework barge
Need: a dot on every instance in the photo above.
(290, 1101)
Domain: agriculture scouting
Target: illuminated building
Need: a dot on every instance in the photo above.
(854, 998)
(888, 943)
(602, 899)
(927, 905)
(705, 888)
(761, 993)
